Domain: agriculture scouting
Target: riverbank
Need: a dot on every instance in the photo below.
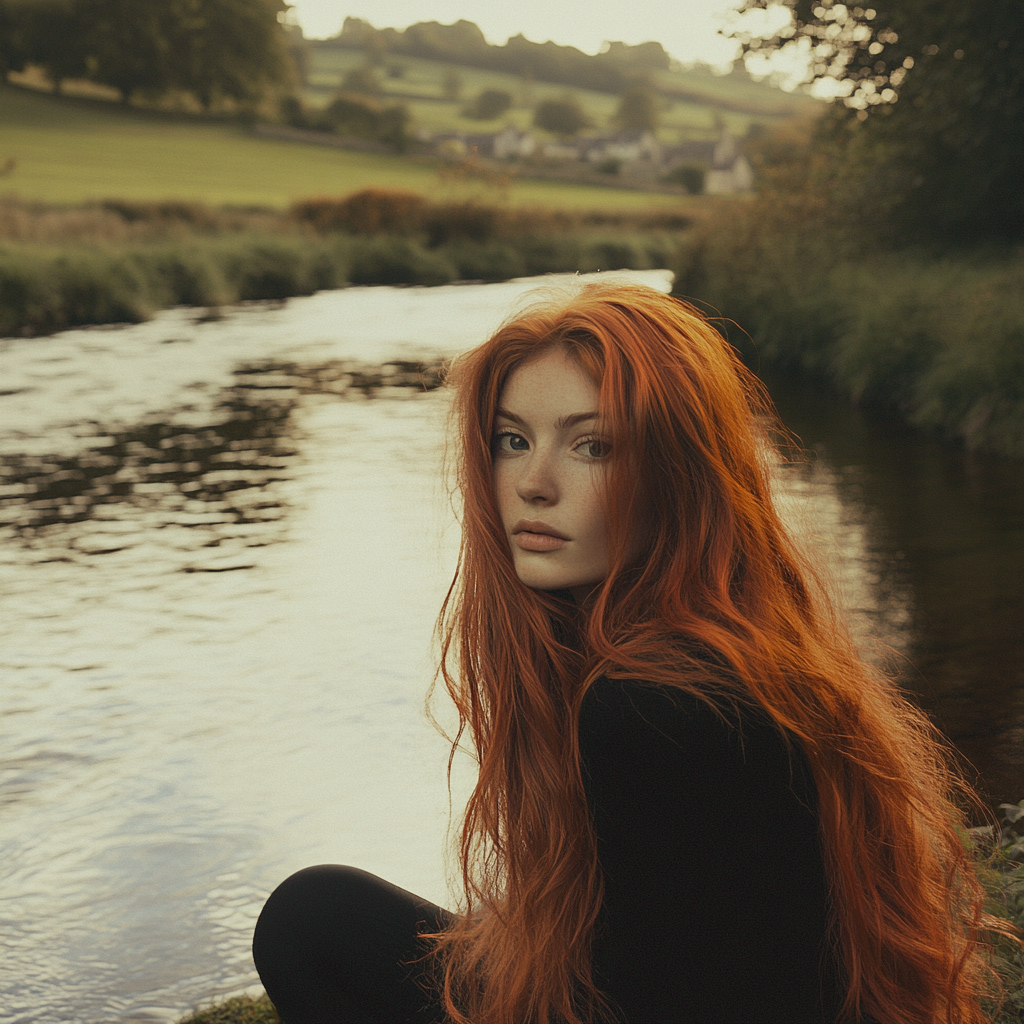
(936, 335)
(121, 262)
(938, 339)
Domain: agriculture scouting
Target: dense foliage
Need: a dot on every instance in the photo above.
(213, 49)
(927, 142)
(563, 117)
(638, 109)
(491, 103)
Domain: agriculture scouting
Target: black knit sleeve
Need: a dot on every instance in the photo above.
(716, 904)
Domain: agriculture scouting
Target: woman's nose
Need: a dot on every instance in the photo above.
(537, 482)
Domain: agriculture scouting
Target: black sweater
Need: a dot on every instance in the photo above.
(716, 902)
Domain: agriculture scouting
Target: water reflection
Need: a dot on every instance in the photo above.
(946, 530)
(211, 490)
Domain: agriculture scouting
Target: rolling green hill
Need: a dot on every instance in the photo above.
(695, 102)
(70, 150)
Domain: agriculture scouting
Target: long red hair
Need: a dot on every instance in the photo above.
(718, 573)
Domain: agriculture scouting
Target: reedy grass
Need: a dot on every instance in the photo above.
(938, 337)
(46, 288)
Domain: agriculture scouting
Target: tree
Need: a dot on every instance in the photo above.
(47, 33)
(638, 109)
(930, 119)
(129, 44)
(13, 41)
(228, 49)
(491, 103)
(366, 118)
(564, 116)
(363, 81)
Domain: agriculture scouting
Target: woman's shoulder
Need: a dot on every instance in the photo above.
(702, 705)
(666, 732)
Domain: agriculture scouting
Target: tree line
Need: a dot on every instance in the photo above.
(613, 70)
(214, 50)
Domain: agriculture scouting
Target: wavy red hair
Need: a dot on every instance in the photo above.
(691, 458)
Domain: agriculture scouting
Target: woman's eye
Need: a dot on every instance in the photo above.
(504, 444)
(594, 448)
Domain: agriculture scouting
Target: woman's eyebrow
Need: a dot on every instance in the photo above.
(561, 423)
(504, 414)
(579, 417)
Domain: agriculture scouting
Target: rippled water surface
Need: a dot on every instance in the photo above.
(224, 545)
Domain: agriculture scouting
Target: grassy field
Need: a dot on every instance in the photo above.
(71, 150)
(711, 100)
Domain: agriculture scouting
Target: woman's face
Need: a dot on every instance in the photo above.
(550, 461)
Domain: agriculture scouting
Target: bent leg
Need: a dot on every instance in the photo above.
(335, 944)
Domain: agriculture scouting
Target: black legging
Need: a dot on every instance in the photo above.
(336, 945)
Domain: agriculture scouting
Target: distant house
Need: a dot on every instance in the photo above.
(727, 170)
(628, 147)
(560, 151)
(512, 144)
(508, 144)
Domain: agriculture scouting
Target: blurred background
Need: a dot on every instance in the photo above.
(238, 239)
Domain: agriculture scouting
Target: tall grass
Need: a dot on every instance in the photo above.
(121, 261)
(937, 337)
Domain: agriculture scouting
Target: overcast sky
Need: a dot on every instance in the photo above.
(688, 29)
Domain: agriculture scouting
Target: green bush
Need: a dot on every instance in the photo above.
(240, 1010)
(1000, 853)
(489, 261)
(551, 255)
(268, 267)
(563, 117)
(42, 290)
(398, 261)
(613, 254)
(491, 103)
(443, 222)
(690, 176)
(937, 339)
(184, 275)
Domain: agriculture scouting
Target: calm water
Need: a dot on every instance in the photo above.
(224, 547)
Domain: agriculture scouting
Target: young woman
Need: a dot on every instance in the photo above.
(695, 802)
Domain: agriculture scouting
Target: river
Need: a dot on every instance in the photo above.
(225, 543)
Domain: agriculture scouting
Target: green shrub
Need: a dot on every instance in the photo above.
(398, 261)
(551, 255)
(613, 254)
(240, 1010)
(491, 261)
(43, 290)
(1001, 870)
(563, 117)
(275, 268)
(184, 275)
(690, 176)
(491, 103)
(613, 165)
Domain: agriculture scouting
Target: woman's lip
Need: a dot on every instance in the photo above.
(525, 540)
(537, 526)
